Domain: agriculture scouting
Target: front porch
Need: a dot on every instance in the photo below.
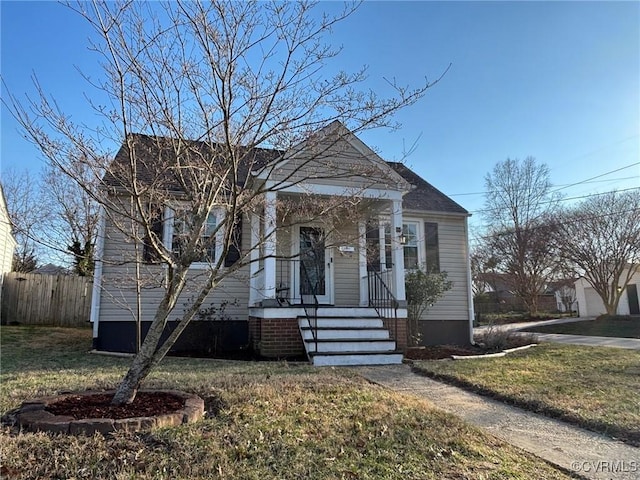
(328, 335)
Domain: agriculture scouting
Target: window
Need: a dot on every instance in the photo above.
(410, 233)
(410, 246)
(183, 226)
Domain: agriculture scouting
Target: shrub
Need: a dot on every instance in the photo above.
(422, 290)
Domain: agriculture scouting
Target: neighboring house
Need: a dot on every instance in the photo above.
(408, 223)
(7, 242)
(51, 269)
(590, 304)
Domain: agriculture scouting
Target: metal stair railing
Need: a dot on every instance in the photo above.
(382, 299)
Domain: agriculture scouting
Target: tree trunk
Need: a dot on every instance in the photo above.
(141, 365)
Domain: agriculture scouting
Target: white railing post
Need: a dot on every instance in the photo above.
(270, 245)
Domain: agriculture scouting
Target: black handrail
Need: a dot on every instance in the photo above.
(382, 299)
(310, 309)
(308, 299)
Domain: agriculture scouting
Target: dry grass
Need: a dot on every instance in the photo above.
(595, 387)
(265, 421)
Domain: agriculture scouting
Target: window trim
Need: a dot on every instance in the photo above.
(421, 241)
(217, 212)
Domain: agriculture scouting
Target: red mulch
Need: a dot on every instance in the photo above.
(438, 352)
(146, 404)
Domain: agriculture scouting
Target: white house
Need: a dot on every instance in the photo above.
(7, 242)
(590, 304)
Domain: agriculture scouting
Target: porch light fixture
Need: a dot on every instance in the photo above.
(403, 239)
(619, 289)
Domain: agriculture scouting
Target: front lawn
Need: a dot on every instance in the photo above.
(621, 327)
(265, 421)
(595, 387)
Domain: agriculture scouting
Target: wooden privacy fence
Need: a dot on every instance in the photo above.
(35, 299)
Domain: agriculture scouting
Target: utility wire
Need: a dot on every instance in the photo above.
(579, 219)
(562, 187)
(581, 197)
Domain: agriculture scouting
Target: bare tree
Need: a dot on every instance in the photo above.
(600, 239)
(196, 90)
(483, 269)
(72, 220)
(26, 212)
(518, 207)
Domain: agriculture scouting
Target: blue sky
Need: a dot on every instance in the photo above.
(559, 81)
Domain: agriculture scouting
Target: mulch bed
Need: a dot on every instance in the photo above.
(146, 404)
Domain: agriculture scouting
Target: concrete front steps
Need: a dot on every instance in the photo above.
(356, 339)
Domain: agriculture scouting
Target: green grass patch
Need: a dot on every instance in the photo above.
(518, 317)
(622, 327)
(266, 421)
(595, 387)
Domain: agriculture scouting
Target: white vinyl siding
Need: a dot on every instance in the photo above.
(118, 295)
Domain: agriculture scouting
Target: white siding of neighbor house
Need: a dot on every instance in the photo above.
(591, 305)
(7, 242)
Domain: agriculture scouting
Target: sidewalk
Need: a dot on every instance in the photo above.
(629, 343)
(578, 451)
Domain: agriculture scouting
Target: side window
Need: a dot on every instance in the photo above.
(431, 247)
(183, 225)
(410, 233)
(410, 246)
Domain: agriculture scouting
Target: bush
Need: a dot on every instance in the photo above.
(422, 291)
(496, 339)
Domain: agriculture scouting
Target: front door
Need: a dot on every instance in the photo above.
(313, 271)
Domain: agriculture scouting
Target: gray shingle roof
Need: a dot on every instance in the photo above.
(156, 160)
(424, 196)
(156, 163)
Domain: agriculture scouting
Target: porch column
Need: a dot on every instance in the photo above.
(362, 263)
(255, 286)
(397, 251)
(270, 245)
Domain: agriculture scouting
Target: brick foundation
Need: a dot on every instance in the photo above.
(401, 341)
(275, 337)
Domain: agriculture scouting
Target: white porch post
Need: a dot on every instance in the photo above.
(362, 263)
(397, 250)
(255, 289)
(270, 245)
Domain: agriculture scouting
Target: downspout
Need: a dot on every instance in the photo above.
(97, 277)
(469, 289)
